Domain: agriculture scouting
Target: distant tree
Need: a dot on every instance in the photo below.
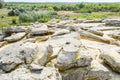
(1, 3)
(11, 13)
(81, 5)
(55, 8)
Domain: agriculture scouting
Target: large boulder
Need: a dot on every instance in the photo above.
(111, 58)
(15, 37)
(9, 57)
(70, 57)
(9, 31)
(38, 30)
(13, 55)
(112, 22)
(97, 72)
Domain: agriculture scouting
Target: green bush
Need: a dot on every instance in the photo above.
(14, 21)
(11, 13)
(41, 16)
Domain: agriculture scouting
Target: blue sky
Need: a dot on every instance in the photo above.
(62, 0)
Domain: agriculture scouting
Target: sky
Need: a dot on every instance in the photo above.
(62, 0)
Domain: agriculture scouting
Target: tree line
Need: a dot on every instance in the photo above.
(81, 7)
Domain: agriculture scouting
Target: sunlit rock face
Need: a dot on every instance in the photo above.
(68, 50)
(112, 22)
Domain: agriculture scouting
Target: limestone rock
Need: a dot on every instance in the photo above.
(93, 21)
(38, 30)
(28, 50)
(61, 32)
(112, 22)
(9, 31)
(61, 41)
(9, 57)
(2, 36)
(46, 73)
(98, 72)
(15, 37)
(3, 43)
(44, 54)
(70, 57)
(74, 73)
(111, 58)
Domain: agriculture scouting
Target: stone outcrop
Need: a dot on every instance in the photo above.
(69, 50)
(15, 37)
(112, 22)
(70, 57)
(111, 58)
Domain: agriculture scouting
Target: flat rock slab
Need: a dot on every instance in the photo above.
(111, 58)
(9, 57)
(38, 30)
(61, 32)
(69, 57)
(98, 72)
(45, 73)
(15, 37)
(61, 41)
(112, 22)
(9, 31)
(13, 55)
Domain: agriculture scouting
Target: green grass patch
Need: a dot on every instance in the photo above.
(89, 15)
(5, 20)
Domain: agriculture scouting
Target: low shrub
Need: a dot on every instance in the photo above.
(14, 21)
(41, 16)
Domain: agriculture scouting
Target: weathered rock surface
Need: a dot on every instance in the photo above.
(3, 43)
(15, 37)
(67, 50)
(97, 72)
(25, 74)
(61, 32)
(111, 58)
(2, 37)
(112, 22)
(74, 74)
(38, 30)
(28, 50)
(10, 58)
(9, 31)
(44, 54)
(69, 57)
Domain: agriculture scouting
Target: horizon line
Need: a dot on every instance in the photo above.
(60, 2)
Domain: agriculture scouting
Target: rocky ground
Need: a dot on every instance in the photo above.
(69, 50)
